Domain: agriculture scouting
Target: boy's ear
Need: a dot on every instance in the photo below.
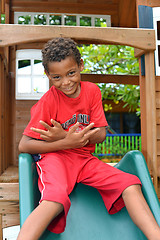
(81, 65)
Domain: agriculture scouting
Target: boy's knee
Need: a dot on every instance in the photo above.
(133, 189)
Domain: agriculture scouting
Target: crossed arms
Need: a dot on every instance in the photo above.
(56, 138)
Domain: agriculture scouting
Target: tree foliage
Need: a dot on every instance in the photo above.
(2, 19)
(111, 59)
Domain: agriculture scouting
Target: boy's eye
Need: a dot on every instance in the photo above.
(56, 78)
(71, 73)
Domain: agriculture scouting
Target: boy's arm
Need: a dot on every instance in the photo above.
(99, 136)
(57, 132)
(71, 140)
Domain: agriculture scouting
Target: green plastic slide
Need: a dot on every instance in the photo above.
(88, 218)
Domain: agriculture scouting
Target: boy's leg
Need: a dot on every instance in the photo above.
(55, 185)
(119, 189)
(140, 212)
(39, 219)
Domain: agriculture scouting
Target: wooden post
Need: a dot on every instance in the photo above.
(1, 117)
(151, 130)
(5, 145)
(143, 114)
(1, 230)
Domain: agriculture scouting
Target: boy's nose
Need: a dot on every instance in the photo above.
(66, 81)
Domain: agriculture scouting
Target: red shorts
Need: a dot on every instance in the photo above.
(60, 171)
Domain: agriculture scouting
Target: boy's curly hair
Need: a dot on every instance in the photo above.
(58, 49)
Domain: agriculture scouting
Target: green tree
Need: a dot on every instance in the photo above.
(111, 59)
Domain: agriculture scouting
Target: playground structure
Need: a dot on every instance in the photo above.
(88, 218)
(126, 18)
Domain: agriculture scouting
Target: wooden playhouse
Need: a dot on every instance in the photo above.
(133, 22)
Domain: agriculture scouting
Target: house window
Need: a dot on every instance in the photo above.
(31, 81)
(156, 21)
(62, 19)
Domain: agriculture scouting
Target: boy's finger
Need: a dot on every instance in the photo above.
(73, 129)
(44, 137)
(38, 130)
(55, 123)
(89, 134)
(86, 129)
(45, 125)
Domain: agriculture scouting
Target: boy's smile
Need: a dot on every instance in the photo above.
(65, 76)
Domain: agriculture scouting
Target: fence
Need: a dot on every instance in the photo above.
(116, 145)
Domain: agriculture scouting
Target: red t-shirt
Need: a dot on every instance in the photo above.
(54, 104)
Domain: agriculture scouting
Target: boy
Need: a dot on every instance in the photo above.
(64, 127)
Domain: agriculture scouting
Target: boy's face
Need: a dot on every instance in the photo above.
(65, 76)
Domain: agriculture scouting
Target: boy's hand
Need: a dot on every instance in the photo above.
(53, 133)
(80, 139)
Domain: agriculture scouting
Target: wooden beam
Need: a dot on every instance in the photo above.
(2, 7)
(1, 230)
(12, 64)
(143, 113)
(7, 13)
(109, 78)
(127, 13)
(103, 7)
(1, 116)
(138, 52)
(12, 34)
(151, 115)
(149, 3)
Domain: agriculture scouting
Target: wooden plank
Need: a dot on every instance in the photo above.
(9, 207)
(158, 83)
(158, 147)
(7, 111)
(10, 175)
(1, 167)
(7, 13)
(4, 112)
(127, 13)
(9, 220)
(12, 34)
(22, 118)
(9, 191)
(151, 115)
(157, 99)
(85, 7)
(158, 160)
(1, 231)
(2, 6)
(158, 116)
(158, 134)
(12, 62)
(143, 113)
(109, 78)
(2, 133)
(149, 3)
